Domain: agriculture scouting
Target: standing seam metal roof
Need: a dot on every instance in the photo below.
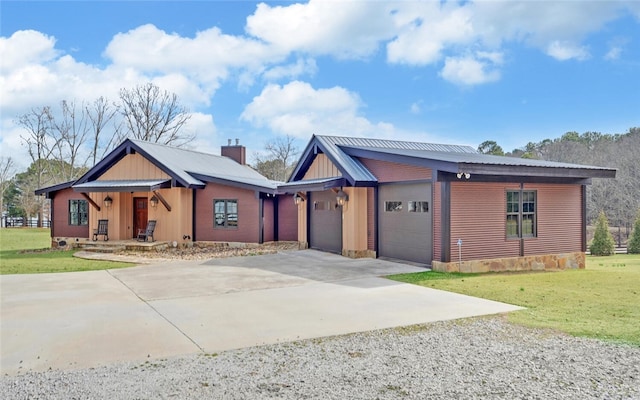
(183, 162)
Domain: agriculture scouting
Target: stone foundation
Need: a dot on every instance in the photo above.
(547, 262)
(359, 253)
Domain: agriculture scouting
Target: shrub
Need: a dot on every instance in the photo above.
(633, 247)
(603, 243)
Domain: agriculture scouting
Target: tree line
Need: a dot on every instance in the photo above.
(65, 142)
(618, 198)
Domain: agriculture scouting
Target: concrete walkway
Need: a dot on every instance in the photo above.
(87, 319)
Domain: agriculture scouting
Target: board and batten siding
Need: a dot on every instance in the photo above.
(387, 171)
(371, 212)
(133, 166)
(478, 217)
(321, 167)
(559, 220)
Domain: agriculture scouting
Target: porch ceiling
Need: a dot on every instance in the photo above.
(147, 185)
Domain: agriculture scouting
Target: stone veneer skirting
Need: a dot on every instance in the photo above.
(547, 262)
(359, 253)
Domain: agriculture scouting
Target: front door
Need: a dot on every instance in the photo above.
(139, 214)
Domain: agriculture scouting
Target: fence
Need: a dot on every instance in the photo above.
(19, 222)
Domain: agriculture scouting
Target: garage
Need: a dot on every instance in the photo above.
(326, 222)
(405, 222)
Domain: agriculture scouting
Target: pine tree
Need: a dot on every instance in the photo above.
(603, 243)
(633, 247)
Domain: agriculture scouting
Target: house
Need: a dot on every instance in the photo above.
(441, 205)
(193, 196)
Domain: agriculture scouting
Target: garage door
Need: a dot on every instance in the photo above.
(405, 222)
(326, 222)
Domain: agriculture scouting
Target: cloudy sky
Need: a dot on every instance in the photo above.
(449, 72)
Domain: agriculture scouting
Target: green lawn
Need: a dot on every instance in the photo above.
(602, 301)
(15, 260)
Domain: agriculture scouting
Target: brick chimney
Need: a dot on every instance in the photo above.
(236, 152)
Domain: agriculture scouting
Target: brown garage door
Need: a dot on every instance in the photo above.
(325, 222)
(405, 222)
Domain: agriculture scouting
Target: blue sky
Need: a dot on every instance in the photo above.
(449, 72)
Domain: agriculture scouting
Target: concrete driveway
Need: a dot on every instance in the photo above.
(87, 319)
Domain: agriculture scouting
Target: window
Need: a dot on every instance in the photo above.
(392, 206)
(78, 212)
(521, 214)
(418, 206)
(321, 205)
(225, 214)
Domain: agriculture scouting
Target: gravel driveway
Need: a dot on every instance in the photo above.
(480, 358)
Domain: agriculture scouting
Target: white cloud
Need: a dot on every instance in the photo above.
(470, 70)
(564, 51)
(416, 108)
(426, 30)
(301, 67)
(613, 53)
(350, 29)
(25, 48)
(299, 110)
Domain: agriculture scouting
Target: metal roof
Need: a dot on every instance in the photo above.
(123, 185)
(185, 163)
(397, 144)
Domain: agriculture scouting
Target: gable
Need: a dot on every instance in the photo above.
(133, 166)
(321, 167)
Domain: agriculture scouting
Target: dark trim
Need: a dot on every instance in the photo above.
(314, 148)
(376, 232)
(520, 218)
(312, 186)
(308, 216)
(443, 176)
(232, 183)
(193, 214)
(261, 220)
(55, 188)
(276, 216)
(445, 222)
(583, 200)
(90, 200)
(126, 148)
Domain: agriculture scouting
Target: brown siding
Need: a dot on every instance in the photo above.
(267, 218)
(437, 227)
(392, 172)
(248, 215)
(287, 219)
(371, 212)
(60, 205)
(134, 166)
(559, 220)
(321, 167)
(478, 213)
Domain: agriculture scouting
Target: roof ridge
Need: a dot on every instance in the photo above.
(391, 141)
(145, 142)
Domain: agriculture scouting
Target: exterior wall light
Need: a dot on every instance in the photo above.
(108, 201)
(153, 201)
(298, 198)
(342, 198)
(465, 174)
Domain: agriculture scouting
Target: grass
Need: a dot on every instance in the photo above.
(22, 251)
(601, 301)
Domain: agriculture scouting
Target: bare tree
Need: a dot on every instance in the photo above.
(71, 131)
(154, 115)
(278, 162)
(100, 114)
(7, 171)
(41, 144)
